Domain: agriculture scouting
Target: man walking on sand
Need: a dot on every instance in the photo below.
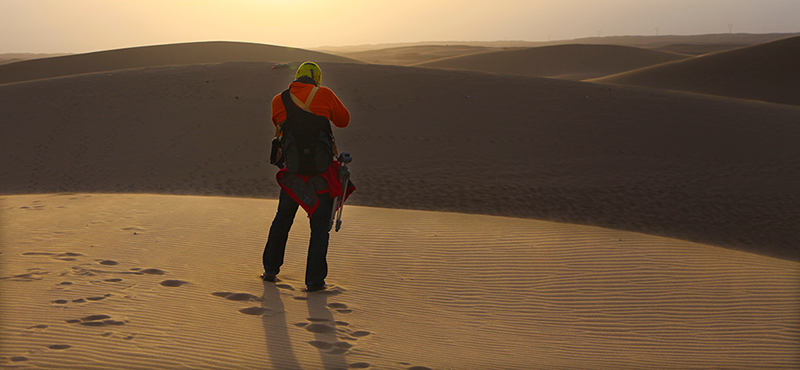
(314, 193)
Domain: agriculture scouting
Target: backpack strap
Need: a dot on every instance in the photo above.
(291, 109)
(305, 105)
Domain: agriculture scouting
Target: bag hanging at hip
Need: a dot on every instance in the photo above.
(276, 154)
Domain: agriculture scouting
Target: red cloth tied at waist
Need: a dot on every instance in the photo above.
(304, 189)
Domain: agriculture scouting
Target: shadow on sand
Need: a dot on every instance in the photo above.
(276, 331)
(319, 321)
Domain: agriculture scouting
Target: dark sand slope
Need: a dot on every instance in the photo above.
(707, 169)
(571, 62)
(768, 72)
(159, 55)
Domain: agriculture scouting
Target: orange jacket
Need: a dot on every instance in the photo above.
(325, 104)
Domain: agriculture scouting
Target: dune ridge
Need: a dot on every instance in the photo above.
(766, 72)
(571, 62)
(88, 284)
(409, 55)
(652, 41)
(156, 56)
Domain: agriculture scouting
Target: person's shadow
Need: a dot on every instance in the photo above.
(323, 326)
(321, 323)
(279, 345)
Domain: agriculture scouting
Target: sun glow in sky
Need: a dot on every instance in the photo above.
(74, 26)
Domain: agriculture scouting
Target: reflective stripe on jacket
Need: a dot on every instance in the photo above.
(325, 103)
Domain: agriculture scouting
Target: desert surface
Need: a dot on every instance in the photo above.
(645, 218)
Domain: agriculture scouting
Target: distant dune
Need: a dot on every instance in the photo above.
(7, 58)
(700, 168)
(570, 62)
(724, 41)
(159, 55)
(768, 72)
(698, 49)
(733, 39)
(408, 55)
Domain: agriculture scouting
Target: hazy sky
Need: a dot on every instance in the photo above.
(74, 26)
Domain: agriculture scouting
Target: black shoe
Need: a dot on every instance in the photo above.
(316, 288)
(267, 277)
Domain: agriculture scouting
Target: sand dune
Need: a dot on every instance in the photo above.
(126, 280)
(143, 281)
(767, 72)
(705, 169)
(155, 56)
(571, 62)
(415, 54)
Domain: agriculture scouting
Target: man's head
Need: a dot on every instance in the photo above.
(310, 70)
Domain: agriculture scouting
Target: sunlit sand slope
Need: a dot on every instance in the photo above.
(92, 281)
(159, 55)
(571, 62)
(767, 72)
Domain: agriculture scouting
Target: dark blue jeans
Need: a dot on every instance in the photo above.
(316, 264)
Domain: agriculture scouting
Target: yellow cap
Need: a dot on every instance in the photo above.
(309, 69)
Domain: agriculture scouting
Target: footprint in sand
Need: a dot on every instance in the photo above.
(98, 298)
(32, 275)
(320, 328)
(255, 311)
(348, 334)
(338, 348)
(340, 307)
(246, 297)
(173, 283)
(325, 326)
(83, 300)
(239, 297)
(68, 256)
(97, 320)
(360, 333)
(110, 334)
(149, 271)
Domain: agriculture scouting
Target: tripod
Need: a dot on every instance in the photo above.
(338, 202)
